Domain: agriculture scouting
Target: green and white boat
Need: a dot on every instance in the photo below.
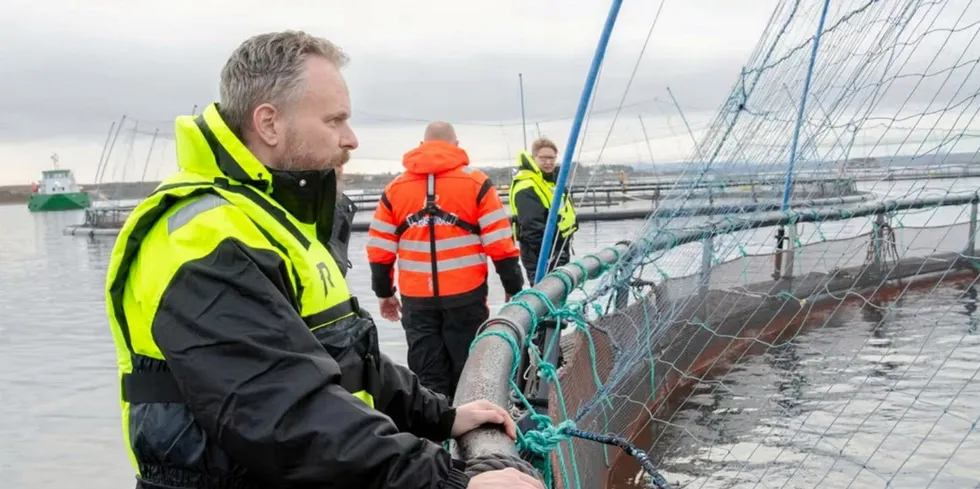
(57, 191)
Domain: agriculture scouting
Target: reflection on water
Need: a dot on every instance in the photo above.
(879, 395)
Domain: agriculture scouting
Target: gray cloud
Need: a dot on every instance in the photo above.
(55, 87)
(62, 85)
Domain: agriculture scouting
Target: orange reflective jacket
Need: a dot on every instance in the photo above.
(440, 220)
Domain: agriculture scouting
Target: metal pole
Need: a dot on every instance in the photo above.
(653, 165)
(112, 145)
(971, 244)
(544, 254)
(790, 251)
(105, 146)
(878, 242)
(707, 248)
(147, 163)
(520, 80)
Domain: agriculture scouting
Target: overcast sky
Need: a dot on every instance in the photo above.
(70, 69)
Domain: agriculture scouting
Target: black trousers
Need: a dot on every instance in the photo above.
(439, 342)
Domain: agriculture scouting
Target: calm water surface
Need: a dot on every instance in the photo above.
(870, 398)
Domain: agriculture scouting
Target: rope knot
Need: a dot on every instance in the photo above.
(546, 438)
(549, 371)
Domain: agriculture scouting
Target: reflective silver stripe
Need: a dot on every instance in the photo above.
(382, 227)
(441, 244)
(494, 236)
(443, 265)
(431, 184)
(384, 244)
(192, 210)
(493, 217)
(467, 169)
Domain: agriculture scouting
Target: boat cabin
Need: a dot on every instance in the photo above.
(59, 181)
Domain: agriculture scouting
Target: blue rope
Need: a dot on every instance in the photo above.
(788, 189)
(641, 457)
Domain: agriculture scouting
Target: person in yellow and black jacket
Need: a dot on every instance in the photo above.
(530, 195)
(244, 359)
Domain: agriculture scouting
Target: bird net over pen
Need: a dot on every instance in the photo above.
(810, 346)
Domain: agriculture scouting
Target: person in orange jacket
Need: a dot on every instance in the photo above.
(440, 220)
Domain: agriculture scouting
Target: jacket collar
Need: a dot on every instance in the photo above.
(207, 147)
(526, 162)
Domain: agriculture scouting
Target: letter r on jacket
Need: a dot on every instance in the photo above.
(325, 276)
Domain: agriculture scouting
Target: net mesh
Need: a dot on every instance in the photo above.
(831, 351)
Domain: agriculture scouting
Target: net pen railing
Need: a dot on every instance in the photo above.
(632, 341)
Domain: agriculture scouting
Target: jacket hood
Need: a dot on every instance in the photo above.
(435, 157)
(207, 147)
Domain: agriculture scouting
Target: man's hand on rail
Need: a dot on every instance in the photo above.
(474, 414)
(504, 479)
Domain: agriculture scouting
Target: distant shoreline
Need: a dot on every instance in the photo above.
(19, 194)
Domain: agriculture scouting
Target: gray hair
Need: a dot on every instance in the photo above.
(269, 68)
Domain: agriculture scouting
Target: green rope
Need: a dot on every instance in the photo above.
(548, 437)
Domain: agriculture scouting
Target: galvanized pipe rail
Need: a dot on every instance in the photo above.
(649, 186)
(694, 210)
(486, 374)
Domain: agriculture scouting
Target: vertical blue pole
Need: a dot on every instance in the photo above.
(799, 116)
(583, 104)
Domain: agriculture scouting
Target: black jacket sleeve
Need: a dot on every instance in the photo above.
(532, 217)
(382, 280)
(262, 386)
(411, 406)
(509, 270)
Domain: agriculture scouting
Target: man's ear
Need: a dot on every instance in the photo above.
(264, 124)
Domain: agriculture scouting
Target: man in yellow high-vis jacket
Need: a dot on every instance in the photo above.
(244, 359)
